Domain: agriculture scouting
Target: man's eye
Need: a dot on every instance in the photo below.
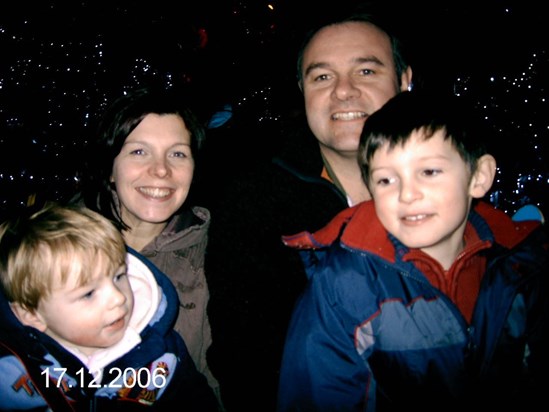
(137, 152)
(367, 72)
(322, 77)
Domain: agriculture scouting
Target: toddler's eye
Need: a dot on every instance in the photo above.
(88, 295)
(119, 276)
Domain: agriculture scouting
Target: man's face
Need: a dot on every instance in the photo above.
(348, 73)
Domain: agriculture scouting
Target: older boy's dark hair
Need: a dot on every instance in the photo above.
(407, 112)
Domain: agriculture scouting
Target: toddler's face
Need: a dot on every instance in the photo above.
(90, 316)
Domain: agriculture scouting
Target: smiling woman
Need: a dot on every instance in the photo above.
(152, 176)
(138, 173)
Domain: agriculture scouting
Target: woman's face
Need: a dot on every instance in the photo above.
(154, 170)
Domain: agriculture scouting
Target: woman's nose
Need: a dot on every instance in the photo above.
(160, 168)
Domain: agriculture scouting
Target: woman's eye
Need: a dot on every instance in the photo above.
(180, 154)
(137, 152)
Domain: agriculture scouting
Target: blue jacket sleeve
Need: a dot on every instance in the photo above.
(321, 368)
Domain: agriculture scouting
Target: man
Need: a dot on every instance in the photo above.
(347, 69)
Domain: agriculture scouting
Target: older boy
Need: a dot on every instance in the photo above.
(425, 297)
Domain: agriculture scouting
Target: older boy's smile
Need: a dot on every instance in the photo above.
(415, 218)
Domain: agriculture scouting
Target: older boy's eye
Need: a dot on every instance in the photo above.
(385, 181)
(431, 172)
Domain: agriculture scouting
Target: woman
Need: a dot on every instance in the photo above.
(139, 174)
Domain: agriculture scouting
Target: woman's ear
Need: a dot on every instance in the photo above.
(27, 317)
(484, 176)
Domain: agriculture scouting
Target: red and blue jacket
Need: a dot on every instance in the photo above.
(372, 333)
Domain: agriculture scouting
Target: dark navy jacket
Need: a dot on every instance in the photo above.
(254, 279)
(371, 333)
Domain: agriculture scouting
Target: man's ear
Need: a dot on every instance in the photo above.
(27, 317)
(406, 80)
(484, 176)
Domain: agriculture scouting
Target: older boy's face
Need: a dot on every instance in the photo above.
(422, 193)
(92, 316)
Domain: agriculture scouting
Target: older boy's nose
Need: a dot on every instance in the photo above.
(409, 191)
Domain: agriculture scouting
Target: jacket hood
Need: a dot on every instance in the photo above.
(359, 228)
(184, 223)
(184, 229)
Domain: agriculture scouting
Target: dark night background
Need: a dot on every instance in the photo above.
(63, 62)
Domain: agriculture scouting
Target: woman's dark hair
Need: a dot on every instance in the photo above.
(119, 120)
